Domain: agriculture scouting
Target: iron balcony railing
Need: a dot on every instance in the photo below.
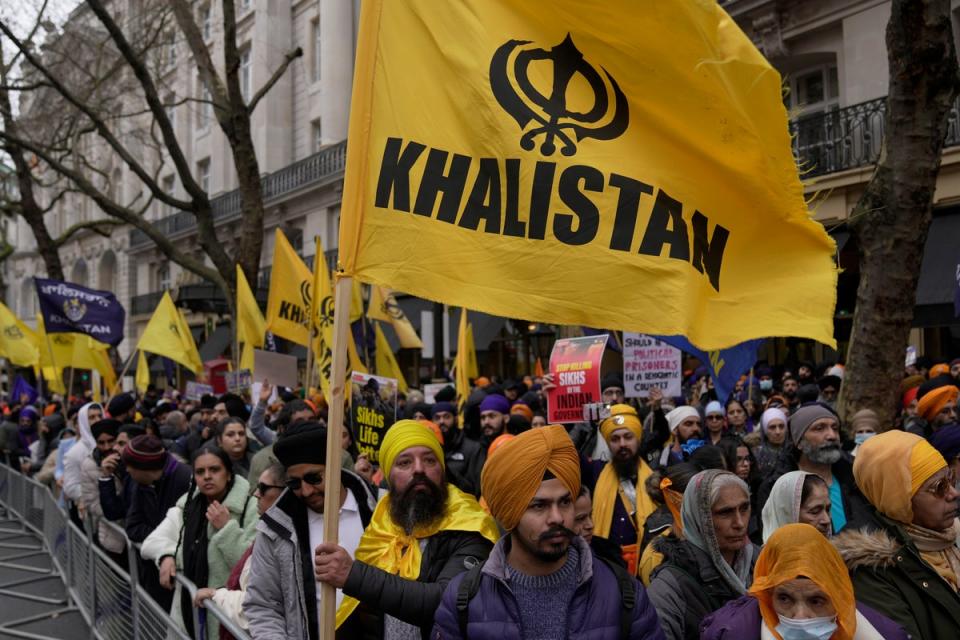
(283, 182)
(850, 137)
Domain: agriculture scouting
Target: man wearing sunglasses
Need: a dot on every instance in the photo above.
(284, 592)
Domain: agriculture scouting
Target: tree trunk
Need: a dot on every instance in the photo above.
(891, 220)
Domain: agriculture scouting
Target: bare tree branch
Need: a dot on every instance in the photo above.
(287, 61)
(98, 226)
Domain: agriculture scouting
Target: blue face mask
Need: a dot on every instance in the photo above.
(860, 438)
(766, 385)
(807, 629)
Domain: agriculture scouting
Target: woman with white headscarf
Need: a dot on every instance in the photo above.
(88, 415)
(797, 496)
(713, 563)
(773, 433)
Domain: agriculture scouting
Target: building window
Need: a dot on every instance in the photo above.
(171, 109)
(163, 277)
(245, 74)
(316, 135)
(815, 90)
(206, 22)
(171, 49)
(205, 110)
(167, 184)
(315, 62)
(203, 174)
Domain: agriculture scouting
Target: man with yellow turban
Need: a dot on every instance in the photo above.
(620, 501)
(541, 580)
(904, 561)
(422, 534)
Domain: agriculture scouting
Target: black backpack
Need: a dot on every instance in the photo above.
(628, 596)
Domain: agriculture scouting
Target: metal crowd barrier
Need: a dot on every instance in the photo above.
(111, 600)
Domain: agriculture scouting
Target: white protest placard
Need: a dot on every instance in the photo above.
(648, 363)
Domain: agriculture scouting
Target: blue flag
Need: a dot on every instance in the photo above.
(725, 366)
(70, 308)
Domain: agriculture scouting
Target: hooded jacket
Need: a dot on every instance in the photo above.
(72, 475)
(889, 575)
(594, 611)
(281, 600)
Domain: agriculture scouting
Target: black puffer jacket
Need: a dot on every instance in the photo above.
(445, 556)
(464, 460)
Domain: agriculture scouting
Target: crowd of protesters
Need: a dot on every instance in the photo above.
(761, 515)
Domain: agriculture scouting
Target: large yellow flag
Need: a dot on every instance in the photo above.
(76, 350)
(386, 364)
(461, 366)
(288, 306)
(167, 334)
(18, 342)
(597, 157)
(383, 306)
(251, 326)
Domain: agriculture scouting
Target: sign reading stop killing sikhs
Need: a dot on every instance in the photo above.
(70, 308)
(506, 152)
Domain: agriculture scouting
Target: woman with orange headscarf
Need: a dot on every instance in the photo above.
(800, 591)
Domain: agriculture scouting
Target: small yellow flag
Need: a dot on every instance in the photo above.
(387, 364)
(473, 371)
(288, 306)
(251, 326)
(167, 334)
(594, 157)
(142, 378)
(383, 306)
(18, 342)
(462, 366)
(77, 350)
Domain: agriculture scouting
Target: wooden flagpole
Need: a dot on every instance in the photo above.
(331, 512)
(119, 383)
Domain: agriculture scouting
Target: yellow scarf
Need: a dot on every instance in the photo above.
(386, 546)
(605, 495)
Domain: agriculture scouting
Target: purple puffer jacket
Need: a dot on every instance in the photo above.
(593, 614)
(740, 619)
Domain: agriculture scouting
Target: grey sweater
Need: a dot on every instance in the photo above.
(541, 597)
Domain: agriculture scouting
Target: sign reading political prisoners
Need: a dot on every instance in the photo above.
(649, 363)
(575, 365)
(71, 308)
(373, 402)
(550, 155)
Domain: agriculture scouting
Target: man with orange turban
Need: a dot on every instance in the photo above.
(905, 561)
(422, 534)
(620, 501)
(555, 586)
(939, 406)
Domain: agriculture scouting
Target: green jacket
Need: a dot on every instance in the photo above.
(889, 575)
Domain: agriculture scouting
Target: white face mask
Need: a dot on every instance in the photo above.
(807, 629)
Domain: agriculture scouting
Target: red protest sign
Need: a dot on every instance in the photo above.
(575, 365)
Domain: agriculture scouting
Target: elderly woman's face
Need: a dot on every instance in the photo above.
(935, 503)
(731, 515)
(801, 599)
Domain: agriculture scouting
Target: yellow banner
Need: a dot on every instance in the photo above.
(167, 334)
(18, 342)
(288, 305)
(251, 326)
(386, 362)
(383, 306)
(608, 163)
